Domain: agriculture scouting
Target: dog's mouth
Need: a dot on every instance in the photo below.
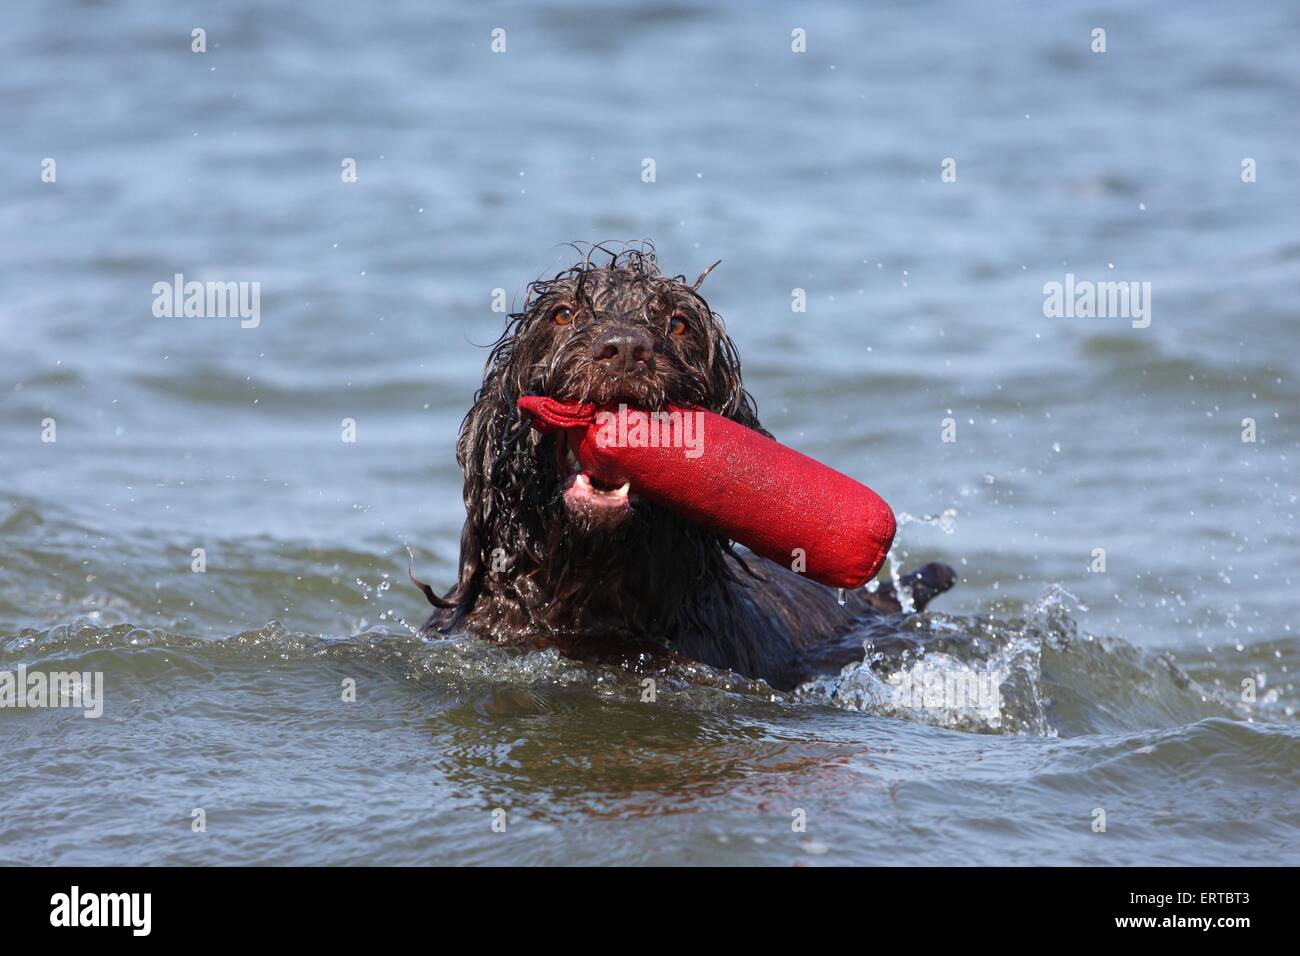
(595, 502)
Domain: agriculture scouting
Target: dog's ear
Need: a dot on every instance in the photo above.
(732, 399)
(500, 488)
(477, 450)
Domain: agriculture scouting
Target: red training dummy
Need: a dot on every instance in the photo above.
(732, 480)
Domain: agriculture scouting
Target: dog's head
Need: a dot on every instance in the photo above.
(541, 532)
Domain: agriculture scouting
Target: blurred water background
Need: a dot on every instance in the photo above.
(819, 171)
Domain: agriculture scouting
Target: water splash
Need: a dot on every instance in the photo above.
(944, 677)
(1055, 600)
(1037, 675)
(946, 521)
(386, 615)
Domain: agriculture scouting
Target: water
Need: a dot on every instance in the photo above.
(1123, 688)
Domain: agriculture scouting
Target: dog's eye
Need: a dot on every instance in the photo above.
(678, 325)
(562, 315)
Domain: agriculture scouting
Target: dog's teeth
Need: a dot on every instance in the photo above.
(583, 481)
(622, 490)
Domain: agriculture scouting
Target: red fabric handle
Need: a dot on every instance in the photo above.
(732, 480)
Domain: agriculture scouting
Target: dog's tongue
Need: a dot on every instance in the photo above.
(738, 483)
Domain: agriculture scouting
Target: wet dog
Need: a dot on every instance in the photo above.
(550, 556)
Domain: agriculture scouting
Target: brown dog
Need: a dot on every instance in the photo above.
(549, 557)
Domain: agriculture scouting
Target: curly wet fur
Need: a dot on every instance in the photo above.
(532, 571)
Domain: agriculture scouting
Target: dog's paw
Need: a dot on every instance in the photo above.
(926, 583)
(929, 581)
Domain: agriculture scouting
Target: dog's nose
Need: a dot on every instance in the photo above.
(623, 350)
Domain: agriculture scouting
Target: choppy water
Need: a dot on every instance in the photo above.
(1123, 689)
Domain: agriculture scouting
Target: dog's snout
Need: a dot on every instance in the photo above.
(623, 350)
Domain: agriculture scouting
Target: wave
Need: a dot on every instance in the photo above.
(1039, 676)
(1031, 676)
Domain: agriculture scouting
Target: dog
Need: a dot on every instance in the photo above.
(550, 557)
